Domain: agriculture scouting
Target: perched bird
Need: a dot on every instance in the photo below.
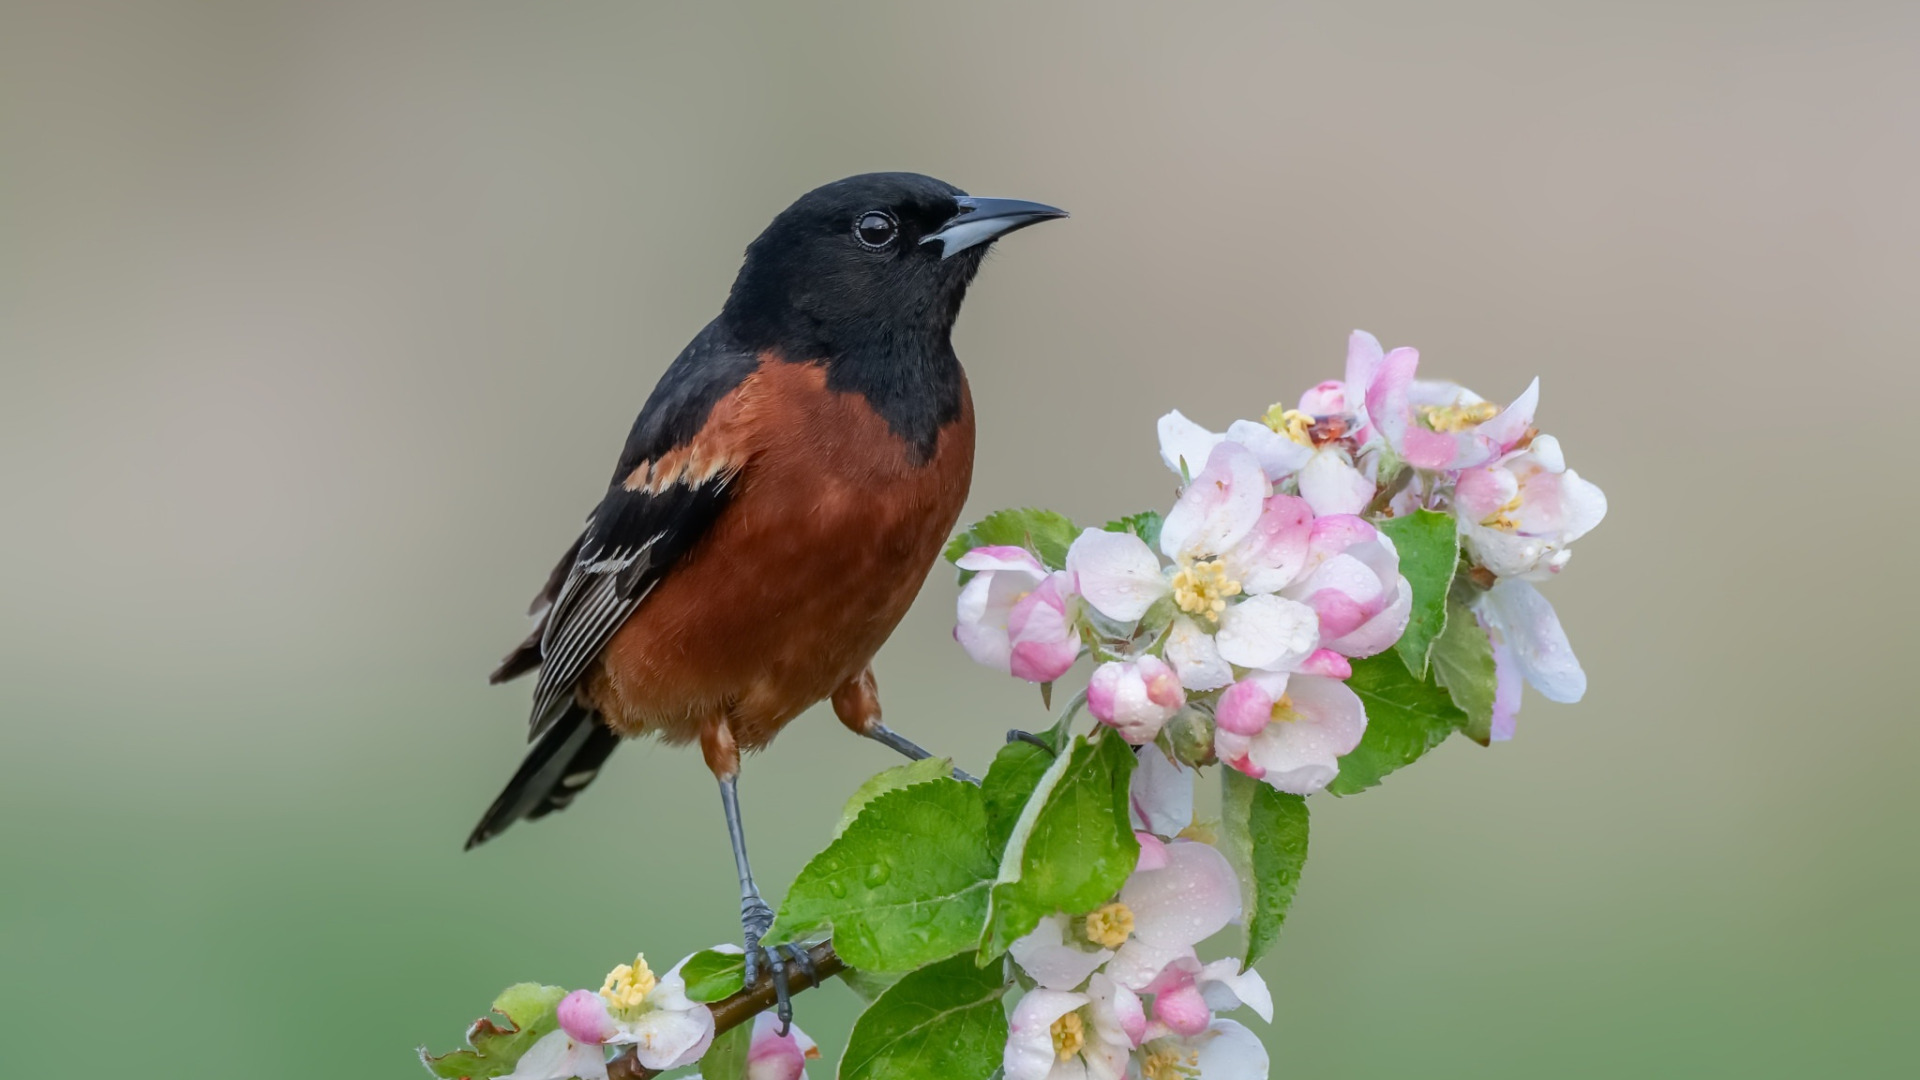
(779, 501)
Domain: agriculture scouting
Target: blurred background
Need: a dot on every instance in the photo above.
(321, 325)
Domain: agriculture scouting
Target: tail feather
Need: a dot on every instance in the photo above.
(562, 762)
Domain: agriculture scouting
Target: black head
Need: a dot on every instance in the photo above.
(873, 261)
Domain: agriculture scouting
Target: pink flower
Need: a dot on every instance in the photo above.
(1160, 796)
(560, 1056)
(665, 1027)
(1135, 697)
(1442, 426)
(1529, 644)
(1518, 514)
(1289, 730)
(1013, 615)
(1187, 994)
(1224, 1051)
(773, 1056)
(1352, 581)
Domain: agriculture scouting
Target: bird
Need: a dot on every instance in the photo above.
(781, 496)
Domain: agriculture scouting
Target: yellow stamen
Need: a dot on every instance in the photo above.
(1290, 422)
(1458, 417)
(1110, 926)
(1170, 1063)
(1069, 1036)
(1502, 518)
(1283, 711)
(628, 985)
(1205, 832)
(1201, 588)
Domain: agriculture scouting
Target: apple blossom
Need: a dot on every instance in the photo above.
(1013, 615)
(1352, 580)
(1066, 1035)
(1224, 1051)
(1135, 697)
(1518, 514)
(1528, 643)
(1288, 730)
(773, 1056)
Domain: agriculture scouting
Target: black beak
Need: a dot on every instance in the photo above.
(983, 220)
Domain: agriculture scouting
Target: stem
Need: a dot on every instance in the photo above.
(741, 1008)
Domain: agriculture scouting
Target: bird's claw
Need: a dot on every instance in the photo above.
(756, 918)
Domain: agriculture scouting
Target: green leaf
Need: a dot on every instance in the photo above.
(1145, 525)
(528, 1010)
(726, 1059)
(1015, 772)
(1072, 846)
(713, 975)
(868, 985)
(943, 1022)
(1429, 546)
(905, 885)
(900, 776)
(1266, 838)
(1042, 532)
(1463, 664)
(1406, 717)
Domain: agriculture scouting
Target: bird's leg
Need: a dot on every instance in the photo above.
(756, 917)
(857, 704)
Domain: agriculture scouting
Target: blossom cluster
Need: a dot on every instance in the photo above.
(1121, 991)
(1246, 605)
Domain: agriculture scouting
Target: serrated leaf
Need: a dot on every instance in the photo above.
(1429, 547)
(1145, 525)
(1072, 846)
(900, 776)
(1463, 664)
(943, 1022)
(726, 1059)
(905, 885)
(1042, 532)
(528, 1009)
(1266, 839)
(1010, 780)
(712, 975)
(1406, 717)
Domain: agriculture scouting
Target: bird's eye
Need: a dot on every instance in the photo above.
(875, 229)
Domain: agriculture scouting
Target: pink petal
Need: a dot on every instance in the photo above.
(1183, 1010)
(583, 1015)
(1002, 557)
(1160, 795)
(1329, 664)
(1327, 399)
(1272, 555)
(1245, 709)
(1511, 425)
(1185, 902)
(1382, 629)
(1302, 756)
(773, 1056)
(1153, 851)
(1219, 507)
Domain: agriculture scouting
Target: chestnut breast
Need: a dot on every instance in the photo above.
(831, 529)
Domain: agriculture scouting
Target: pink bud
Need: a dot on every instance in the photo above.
(583, 1016)
(1244, 709)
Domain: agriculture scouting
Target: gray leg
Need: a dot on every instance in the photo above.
(756, 918)
(888, 737)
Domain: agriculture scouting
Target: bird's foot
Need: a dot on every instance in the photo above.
(756, 918)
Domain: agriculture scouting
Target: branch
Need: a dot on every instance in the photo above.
(741, 1008)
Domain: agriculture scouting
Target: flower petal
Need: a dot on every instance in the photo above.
(1195, 657)
(1055, 964)
(1184, 443)
(1002, 557)
(1219, 507)
(583, 1015)
(558, 1056)
(1527, 625)
(1269, 632)
(773, 1056)
(1029, 1054)
(1302, 755)
(1182, 904)
(1160, 797)
(1116, 572)
(1331, 485)
(1278, 455)
(1227, 987)
(1233, 1053)
(1272, 555)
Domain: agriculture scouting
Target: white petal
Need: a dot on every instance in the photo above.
(1029, 1054)
(1183, 441)
(1185, 902)
(1226, 987)
(1302, 756)
(1117, 573)
(1331, 485)
(1002, 557)
(668, 1038)
(557, 1057)
(1278, 455)
(1195, 657)
(1531, 631)
(1232, 1053)
(1219, 507)
(1137, 963)
(1054, 964)
(1161, 794)
(1268, 632)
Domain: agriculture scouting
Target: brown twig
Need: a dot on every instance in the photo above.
(741, 1008)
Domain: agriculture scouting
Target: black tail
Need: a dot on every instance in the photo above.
(560, 763)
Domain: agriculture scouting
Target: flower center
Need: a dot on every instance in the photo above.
(1201, 588)
(1170, 1063)
(1458, 417)
(1069, 1036)
(1283, 711)
(1502, 518)
(628, 985)
(1292, 423)
(1110, 926)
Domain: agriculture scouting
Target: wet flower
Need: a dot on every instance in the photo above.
(1352, 581)
(1187, 994)
(1065, 1035)
(1519, 514)
(1135, 697)
(1442, 426)
(1224, 1051)
(1013, 615)
(773, 1056)
(1528, 644)
(653, 1014)
(1289, 730)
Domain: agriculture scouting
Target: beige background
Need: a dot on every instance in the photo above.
(321, 324)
